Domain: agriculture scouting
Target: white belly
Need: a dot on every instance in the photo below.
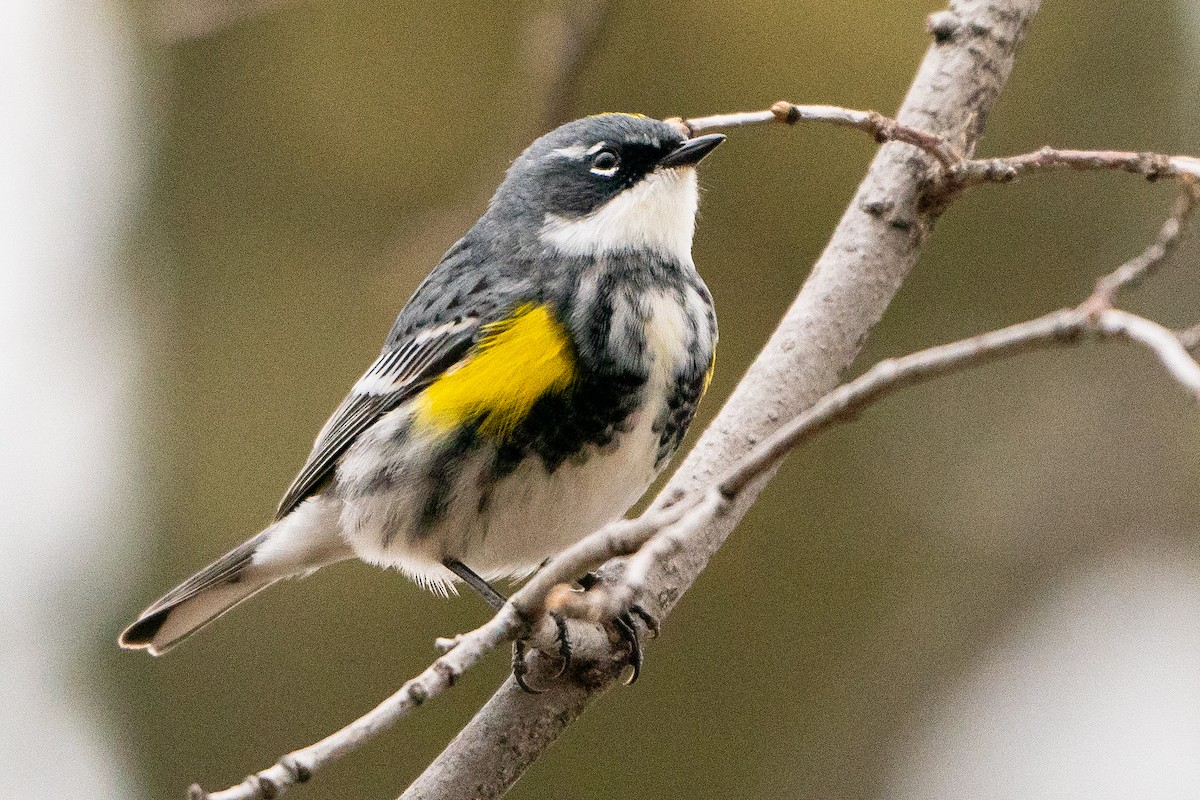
(529, 514)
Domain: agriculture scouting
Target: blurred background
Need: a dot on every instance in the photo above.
(987, 588)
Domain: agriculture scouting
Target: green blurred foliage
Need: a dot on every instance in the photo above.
(300, 155)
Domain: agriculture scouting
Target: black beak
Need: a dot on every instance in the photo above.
(691, 152)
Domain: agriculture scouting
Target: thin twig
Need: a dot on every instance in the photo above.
(1137, 269)
(299, 766)
(1152, 166)
(961, 172)
(881, 128)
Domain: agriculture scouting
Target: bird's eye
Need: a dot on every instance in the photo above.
(605, 163)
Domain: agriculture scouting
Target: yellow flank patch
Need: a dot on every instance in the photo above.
(712, 365)
(520, 359)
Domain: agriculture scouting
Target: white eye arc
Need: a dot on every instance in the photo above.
(605, 163)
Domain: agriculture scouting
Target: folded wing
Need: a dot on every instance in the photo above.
(398, 374)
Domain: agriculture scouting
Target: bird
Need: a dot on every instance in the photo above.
(531, 389)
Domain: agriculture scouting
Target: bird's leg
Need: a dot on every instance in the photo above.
(627, 628)
(481, 587)
(496, 600)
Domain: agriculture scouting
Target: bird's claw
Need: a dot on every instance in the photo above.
(628, 630)
(650, 621)
(564, 642)
(520, 669)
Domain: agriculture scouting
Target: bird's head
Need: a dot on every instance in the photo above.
(606, 184)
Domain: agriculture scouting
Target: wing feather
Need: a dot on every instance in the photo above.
(398, 374)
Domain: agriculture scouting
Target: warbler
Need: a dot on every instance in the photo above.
(530, 390)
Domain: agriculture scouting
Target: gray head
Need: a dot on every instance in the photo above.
(612, 182)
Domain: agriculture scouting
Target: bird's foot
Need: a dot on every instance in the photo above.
(626, 627)
(562, 637)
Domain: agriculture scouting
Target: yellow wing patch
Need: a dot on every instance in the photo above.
(520, 359)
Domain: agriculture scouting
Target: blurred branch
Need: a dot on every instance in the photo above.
(177, 21)
(558, 41)
(1190, 338)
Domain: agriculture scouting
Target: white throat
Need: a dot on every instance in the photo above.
(658, 213)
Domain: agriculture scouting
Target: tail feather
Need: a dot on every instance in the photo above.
(157, 630)
(197, 601)
(303, 541)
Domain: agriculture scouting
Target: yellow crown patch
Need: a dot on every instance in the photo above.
(618, 114)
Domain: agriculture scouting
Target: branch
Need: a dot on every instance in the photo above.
(671, 526)
(871, 253)
(882, 129)
(1137, 269)
(659, 534)
(1152, 166)
(1094, 317)
(961, 172)
(1059, 329)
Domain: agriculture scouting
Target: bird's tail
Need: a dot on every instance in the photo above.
(292, 546)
